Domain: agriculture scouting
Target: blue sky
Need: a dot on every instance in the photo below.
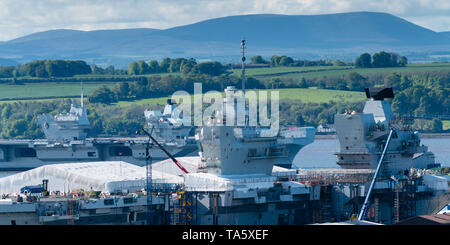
(18, 18)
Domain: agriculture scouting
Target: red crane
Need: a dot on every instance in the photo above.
(165, 151)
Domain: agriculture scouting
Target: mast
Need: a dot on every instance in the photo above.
(243, 67)
(243, 80)
(82, 95)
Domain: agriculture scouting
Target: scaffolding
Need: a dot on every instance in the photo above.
(73, 210)
(403, 199)
(184, 208)
(323, 212)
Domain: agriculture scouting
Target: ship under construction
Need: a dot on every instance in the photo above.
(384, 175)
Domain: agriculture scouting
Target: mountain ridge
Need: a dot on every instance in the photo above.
(337, 35)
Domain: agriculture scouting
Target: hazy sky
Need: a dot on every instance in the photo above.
(18, 18)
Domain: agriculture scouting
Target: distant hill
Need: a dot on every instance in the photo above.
(321, 31)
(302, 36)
(445, 34)
(8, 62)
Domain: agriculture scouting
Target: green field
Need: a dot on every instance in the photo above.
(306, 95)
(314, 95)
(46, 90)
(287, 70)
(446, 125)
(151, 101)
(332, 71)
(125, 76)
(367, 71)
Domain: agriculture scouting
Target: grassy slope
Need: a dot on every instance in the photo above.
(42, 90)
(304, 94)
(329, 71)
(288, 70)
(123, 76)
(367, 71)
(446, 125)
(45, 90)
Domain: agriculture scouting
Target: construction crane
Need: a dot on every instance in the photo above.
(148, 180)
(149, 183)
(365, 206)
(165, 151)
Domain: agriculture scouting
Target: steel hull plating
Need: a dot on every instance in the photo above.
(22, 155)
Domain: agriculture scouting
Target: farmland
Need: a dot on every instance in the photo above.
(288, 70)
(330, 71)
(446, 125)
(49, 90)
(46, 90)
(306, 95)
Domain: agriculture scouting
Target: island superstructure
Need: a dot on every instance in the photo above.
(362, 137)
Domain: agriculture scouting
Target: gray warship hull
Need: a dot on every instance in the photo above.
(22, 155)
(283, 197)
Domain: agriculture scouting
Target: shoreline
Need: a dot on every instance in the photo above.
(422, 135)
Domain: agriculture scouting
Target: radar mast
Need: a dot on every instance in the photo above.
(82, 96)
(243, 68)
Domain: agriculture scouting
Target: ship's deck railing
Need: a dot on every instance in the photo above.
(329, 176)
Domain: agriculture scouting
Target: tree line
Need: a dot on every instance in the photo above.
(53, 68)
(276, 61)
(161, 86)
(380, 59)
(183, 65)
(69, 68)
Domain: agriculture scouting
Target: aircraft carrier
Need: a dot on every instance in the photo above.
(384, 176)
(66, 141)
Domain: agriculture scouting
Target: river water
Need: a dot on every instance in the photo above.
(320, 154)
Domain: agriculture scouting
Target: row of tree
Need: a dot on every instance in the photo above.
(54, 68)
(276, 61)
(160, 86)
(46, 68)
(110, 70)
(185, 66)
(68, 68)
(380, 59)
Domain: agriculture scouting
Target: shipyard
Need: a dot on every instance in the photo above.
(249, 122)
(239, 176)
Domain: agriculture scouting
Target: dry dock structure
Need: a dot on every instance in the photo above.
(114, 193)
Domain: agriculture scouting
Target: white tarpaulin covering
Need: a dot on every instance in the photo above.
(209, 182)
(114, 176)
(168, 166)
(435, 182)
(107, 176)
